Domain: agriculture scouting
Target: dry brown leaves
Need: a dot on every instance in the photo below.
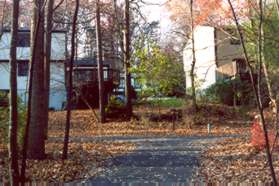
(235, 160)
(83, 157)
(84, 124)
(83, 161)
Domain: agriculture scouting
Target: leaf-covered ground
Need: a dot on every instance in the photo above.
(236, 160)
(224, 120)
(85, 157)
(83, 161)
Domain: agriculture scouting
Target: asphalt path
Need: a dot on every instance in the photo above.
(155, 161)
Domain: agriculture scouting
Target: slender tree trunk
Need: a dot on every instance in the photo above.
(100, 63)
(260, 108)
(263, 68)
(260, 47)
(13, 148)
(127, 41)
(118, 33)
(37, 23)
(70, 83)
(47, 60)
(36, 140)
(193, 66)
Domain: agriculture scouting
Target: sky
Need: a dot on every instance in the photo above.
(159, 13)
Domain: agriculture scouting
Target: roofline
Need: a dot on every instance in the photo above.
(24, 60)
(28, 30)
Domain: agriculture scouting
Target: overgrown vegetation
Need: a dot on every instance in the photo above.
(159, 71)
(165, 102)
(229, 92)
(4, 121)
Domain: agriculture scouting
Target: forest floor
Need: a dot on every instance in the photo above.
(86, 157)
(150, 121)
(236, 160)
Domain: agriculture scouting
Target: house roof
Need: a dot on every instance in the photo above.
(28, 30)
(89, 62)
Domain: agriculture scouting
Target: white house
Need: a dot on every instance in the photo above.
(57, 72)
(216, 51)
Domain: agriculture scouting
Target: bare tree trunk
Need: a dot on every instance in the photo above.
(260, 108)
(47, 60)
(3, 18)
(100, 63)
(70, 84)
(13, 148)
(36, 140)
(37, 24)
(260, 57)
(127, 41)
(263, 68)
(119, 26)
(193, 66)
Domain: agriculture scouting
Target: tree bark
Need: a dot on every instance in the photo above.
(13, 146)
(36, 140)
(118, 26)
(100, 63)
(47, 60)
(29, 102)
(260, 108)
(193, 66)
(263, 68)
(127, 73)
(70, 83)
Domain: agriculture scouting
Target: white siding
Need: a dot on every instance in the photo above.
(57, 72)
(58, 49)
(57, 84)
(205, 58)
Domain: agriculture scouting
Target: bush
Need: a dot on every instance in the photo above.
(226, 90)
(258, 138)
(115, 107)
(4, 122)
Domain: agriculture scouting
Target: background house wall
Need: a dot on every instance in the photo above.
(215, 52)
(228, 49)
(205, 57)
(57, 72)
(58, 49)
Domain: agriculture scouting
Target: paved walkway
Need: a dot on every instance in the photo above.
(155, 161)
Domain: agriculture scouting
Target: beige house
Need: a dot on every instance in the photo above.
(218, 55)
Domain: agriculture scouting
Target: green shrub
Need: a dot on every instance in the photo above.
(114, 103)
(4, 122)
(226, 91)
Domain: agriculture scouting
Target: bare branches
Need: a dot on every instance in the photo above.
(260, 107)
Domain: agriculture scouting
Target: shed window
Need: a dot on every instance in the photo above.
(23, 39)
(22, 68)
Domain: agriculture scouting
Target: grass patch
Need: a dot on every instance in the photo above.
(168, 102)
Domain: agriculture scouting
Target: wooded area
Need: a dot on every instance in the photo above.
(89, 85)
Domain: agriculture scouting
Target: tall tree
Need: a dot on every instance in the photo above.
(36, 140)
(70, 83)
(193, 65)
(36, 29)
(127, 41)
(259, 105)
(47, 58)
(100, 63)
(13, 151)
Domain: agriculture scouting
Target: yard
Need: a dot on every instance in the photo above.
(91, 143)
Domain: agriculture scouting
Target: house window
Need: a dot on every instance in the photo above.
(23, 39)
(22, 68)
